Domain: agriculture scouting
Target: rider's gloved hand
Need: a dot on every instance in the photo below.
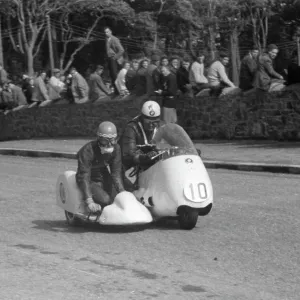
(92, 206)
(147, 158)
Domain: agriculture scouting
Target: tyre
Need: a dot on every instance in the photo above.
(72, 220)
(187, 218)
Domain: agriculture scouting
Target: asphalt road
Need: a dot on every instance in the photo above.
(247, 248)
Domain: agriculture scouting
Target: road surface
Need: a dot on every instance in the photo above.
(247, 248)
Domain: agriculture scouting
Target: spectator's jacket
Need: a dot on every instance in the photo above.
(169, 90)
(141, 87)
(183, 78)
(150, 82)
(132, 136)
(247, 72)
(13, 98)
(114, 49)
(3, 76)
(40, 92)
(173, 70)
(98, 89)
(217, 74)
(157, 79)
(197, 74)
(120, 81)
(56, 86)
(27, 89)
(80, 88)
(265, 73)
(131, 80)
(92, 166)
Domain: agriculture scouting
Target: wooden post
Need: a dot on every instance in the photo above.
(50, 43)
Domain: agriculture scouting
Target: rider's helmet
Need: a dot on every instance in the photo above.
(107, 137)
(150, 115)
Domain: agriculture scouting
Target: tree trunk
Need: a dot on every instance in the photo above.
(234, 46)
(211, 42)
(30, 69)
(1, 45)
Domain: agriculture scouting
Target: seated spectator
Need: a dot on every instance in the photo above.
(217, 77)
(174, 65)
(293, 71)
(56, 86)
(28, 88)
(12, 97)
(131, 77)
(183, 77)
(151, 83)
(142, 78)
(248, 69)
(40, 93)
(197, 79)
(98, 90)
(120, 81)
(169, 94)
(79, 87)
(3, 75)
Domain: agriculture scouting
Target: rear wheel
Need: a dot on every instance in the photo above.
(187, 218)
(72, 220)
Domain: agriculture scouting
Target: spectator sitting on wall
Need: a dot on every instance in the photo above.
(217, 77)
(3, 75)
(174, 65)
(183, 77)
(248, 69)
(131, 77)
(56, 86)
(79, 87)
(114, 51)
(197, 79)
(40, 93)
(28, 88)
(12, 97)
(152, 69)
(120, 81)
(98, 90)
(266, 77)
(293, 71)
(169, 94)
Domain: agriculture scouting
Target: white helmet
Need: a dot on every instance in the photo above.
(151, 109)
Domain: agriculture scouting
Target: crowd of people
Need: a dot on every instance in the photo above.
(162, 76)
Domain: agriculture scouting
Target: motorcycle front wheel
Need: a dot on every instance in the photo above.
(187, 218)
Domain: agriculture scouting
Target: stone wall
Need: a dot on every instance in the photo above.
(206, 117)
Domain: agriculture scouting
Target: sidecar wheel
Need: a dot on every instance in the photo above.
(187, 218)
(72, 220)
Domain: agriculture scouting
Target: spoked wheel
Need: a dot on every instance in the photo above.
(72, 220)
(187, 218)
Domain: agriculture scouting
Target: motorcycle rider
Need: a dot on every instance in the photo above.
(94, 179)
(140, 131)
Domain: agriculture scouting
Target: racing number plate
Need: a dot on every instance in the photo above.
(195, 191)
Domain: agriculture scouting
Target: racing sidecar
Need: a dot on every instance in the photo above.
(177, 184)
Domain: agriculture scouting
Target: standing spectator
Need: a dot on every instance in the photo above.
(142, 78)
(120, 81)
(217, 77)
(197, 79)
(40, 93)
(3, 75)
(183, 77)
(28, 88)
(174, 65)
(152, 69)
(12, 97)
(114, 51)
(131, 78)
(79, 86)
(98, 90)
(266, 75)
(56, 86)
(164, 61)
(169, 94)
(248, 69)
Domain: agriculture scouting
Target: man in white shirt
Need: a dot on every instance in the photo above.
(196, 76)
(56, 86)
(218, 80)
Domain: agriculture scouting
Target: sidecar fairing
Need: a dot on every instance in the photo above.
(125, 210)
(178, 184)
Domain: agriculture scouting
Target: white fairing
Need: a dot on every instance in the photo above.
(125, 210)
(176, 181)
